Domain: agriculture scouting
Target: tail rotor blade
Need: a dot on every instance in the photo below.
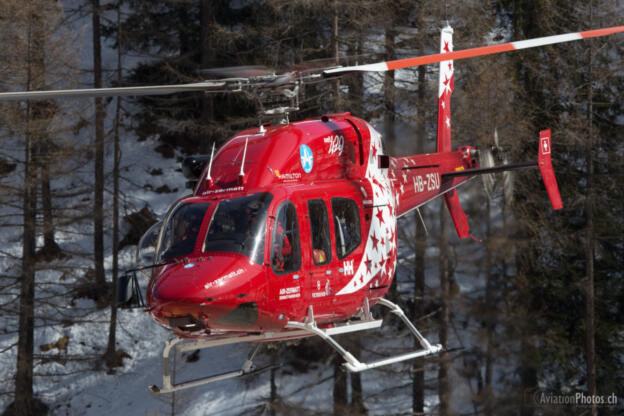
(486, 160)
(508, 183)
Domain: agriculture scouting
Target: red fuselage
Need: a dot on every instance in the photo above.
(310, 226)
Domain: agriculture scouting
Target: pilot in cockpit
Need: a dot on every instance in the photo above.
(185, 233)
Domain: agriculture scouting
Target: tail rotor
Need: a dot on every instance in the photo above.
(496, 156)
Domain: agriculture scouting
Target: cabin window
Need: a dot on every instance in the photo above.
(319, 226)
(181, 230)
(346, 226)
(285, 250)
(146, 251)
(239, 226)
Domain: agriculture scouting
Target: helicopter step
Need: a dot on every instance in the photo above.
(353, 364)
(182, 345)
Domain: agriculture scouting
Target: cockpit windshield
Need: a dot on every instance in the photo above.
(239, 226)
(181, 230)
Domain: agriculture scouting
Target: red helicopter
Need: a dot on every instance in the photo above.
(291, 230)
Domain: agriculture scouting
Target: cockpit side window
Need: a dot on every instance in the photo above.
(319, 225)
(285, 247)
(346, 226)
(181, 230)
(239, 226)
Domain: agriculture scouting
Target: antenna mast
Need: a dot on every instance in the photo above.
(242, 178)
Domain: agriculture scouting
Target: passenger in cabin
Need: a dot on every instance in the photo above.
(318, 254)
(319, 227)
(283, 251)
(249, 221)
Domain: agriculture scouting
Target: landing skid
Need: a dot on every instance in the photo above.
(296, 330)
(353, 364)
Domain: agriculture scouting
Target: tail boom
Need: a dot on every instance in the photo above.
(418, 179)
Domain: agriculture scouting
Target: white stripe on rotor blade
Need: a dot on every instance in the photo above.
(547, 40)
(376, 67)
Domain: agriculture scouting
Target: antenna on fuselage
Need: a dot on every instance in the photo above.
(208, 176)
(241, 176)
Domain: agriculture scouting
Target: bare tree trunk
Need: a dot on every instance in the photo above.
(418, 371)
(528, 371)
(24, 403)
(490, 318)
(50, 247)
(273, 394)
(340, 386)
(336, 54)
(98, 200)
(356, 88)
(357, 397)
(389, 116)
(589, 236)
(444, 370)
(24, 373)
(112, 360)
(42, 151)
(207, 22)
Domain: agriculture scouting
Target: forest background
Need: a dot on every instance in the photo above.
(535, 310)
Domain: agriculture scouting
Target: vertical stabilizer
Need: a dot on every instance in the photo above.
(445, 89)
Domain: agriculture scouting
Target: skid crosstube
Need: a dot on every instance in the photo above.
(296, 330)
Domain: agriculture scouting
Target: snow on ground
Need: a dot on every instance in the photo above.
(69, 382)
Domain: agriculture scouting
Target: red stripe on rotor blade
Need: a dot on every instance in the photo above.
(492, 49)
(601, 32)
(450, 56)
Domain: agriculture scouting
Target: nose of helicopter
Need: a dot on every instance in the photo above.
(216, 292)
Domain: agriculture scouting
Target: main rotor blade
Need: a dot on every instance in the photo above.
(107, 92)
(470, 53)
(243, 71)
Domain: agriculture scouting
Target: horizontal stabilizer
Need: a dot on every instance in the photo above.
(545, 167)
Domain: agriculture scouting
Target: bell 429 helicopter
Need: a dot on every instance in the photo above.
(291, 230)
